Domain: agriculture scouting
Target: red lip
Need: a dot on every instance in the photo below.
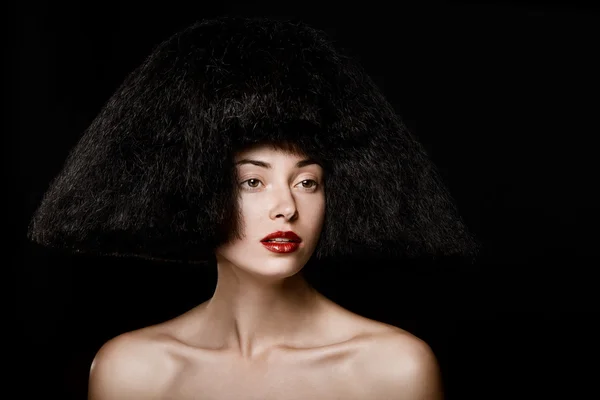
(285, 235)
(287, 247)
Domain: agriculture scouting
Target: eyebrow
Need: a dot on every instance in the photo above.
(299, 164)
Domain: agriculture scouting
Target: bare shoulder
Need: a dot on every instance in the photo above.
(134, 365)
(402, 367)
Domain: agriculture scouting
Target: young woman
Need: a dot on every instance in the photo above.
(255, 144)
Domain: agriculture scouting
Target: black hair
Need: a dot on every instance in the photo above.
(153, 175)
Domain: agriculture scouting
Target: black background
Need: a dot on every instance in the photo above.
(503, 95)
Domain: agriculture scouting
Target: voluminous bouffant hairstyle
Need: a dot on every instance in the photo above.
(153, 176)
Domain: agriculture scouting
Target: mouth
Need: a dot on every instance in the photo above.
(281, 247)
(282, 237)
(282, 242)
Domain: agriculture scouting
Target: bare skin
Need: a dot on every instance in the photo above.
(358, 359)
(266, 333)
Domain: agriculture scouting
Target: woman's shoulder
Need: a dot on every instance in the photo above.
(400, 348)
(384, 341)
(392, 360)
(400, 362)
(135, 364)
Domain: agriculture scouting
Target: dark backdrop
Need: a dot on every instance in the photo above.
(504, 97)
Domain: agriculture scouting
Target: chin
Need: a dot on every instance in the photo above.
(271, 266)
(276, 268)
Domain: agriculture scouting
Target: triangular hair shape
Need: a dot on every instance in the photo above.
(153, 175)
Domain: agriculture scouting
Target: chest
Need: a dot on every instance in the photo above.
(329, 381)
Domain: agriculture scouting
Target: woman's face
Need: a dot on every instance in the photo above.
(279, 192)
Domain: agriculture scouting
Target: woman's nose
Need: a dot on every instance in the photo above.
(284, 205)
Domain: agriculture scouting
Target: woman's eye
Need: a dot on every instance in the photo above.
(308, 184)
(253, 183)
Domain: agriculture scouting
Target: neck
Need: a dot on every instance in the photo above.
(254, 314)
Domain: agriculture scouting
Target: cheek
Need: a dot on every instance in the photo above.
(315, 213)
(318, 209)
(252, 212)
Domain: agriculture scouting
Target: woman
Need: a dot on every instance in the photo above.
(255, 144)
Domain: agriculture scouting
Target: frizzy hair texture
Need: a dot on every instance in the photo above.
(153, 175)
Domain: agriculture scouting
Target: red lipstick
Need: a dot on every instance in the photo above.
(288, 243)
